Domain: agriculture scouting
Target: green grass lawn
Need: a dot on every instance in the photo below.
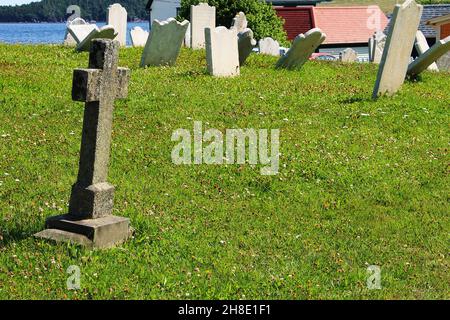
(361, 183)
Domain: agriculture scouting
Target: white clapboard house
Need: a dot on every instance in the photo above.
(163, 9)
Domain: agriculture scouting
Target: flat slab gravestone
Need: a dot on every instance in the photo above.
(164, 42)
(222, 54)
(348, 55)
(399, 45)
(239, 22)
(138, 37)
(202, 16)
(69, 40)
(106, 32)
(80, 32)
(117, 17)
(430, 56)
(90, 221)
(303, 46)
(422, 46)
(246, 43)
(269, 46)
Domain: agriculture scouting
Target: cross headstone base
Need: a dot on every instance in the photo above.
(98, 233)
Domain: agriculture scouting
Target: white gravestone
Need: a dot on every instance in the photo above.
(79, 32)
(348, 55)
(117, 17)
(424, 61)
(105, 32)
(303, 46)
(69, 40)
(187, 37)
(202, 16)
(164, 42)
(269, 46)
(138, 37)
(222, 54)
(399, 45)
(246, 43)
(379, 41)
(240, 22)
(422, 47)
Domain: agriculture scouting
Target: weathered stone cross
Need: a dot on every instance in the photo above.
(98, 86)
(90, 221)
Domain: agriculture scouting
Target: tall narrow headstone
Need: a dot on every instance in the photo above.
(246, 43)
(164, 42)
(422, 47)
(399, 45)
(202, 16)
(430, 56)
(269, 46)
(302, 48)
(222, 54)
(90, 221)
(117, 17)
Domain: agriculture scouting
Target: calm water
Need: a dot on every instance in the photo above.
(45, 32)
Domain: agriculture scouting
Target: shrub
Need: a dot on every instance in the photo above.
(262, 18)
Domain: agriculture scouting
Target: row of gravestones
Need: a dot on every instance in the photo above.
(90, 221)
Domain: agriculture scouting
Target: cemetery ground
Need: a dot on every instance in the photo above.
(361, 183)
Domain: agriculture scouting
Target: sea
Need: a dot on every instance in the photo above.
(46, 33)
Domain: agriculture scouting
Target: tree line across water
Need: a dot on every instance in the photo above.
(55, 10)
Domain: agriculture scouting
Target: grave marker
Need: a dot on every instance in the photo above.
(269, 46)
(246, 43)
(424, 61)
(222, 53)
(202, 16)
(422, 46)
(117, 17)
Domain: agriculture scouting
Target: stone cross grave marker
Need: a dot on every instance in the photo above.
(269, 46)
(222, 54)
(422, 47)
(430, 56)
(348, 55)
(117, 17)
(399, 45)
(246, 43)
(302, 48)
(164, 43)
(202, 16)
(90, 221)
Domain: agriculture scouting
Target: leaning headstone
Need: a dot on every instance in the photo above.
(222, 54)
(106, 32)
(429, 57)
(117, 17)
(399, 45)
(164, 42)
(90, 221)
(303, 46)
(239, 22)
(79, 32)
(269, 46)
(69, 40)
(202, 16)
(422, 47)
(246, 43)
(348, 55)
(138, 37)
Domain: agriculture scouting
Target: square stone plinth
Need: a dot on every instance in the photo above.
(98, 233)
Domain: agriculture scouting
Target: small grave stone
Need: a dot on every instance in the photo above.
(240, 22)
(164, 42)
(138, 37)
(222, 53)
(348, 55)
(106, 32)
(303, 46)
(246, 43)
(269, 46)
